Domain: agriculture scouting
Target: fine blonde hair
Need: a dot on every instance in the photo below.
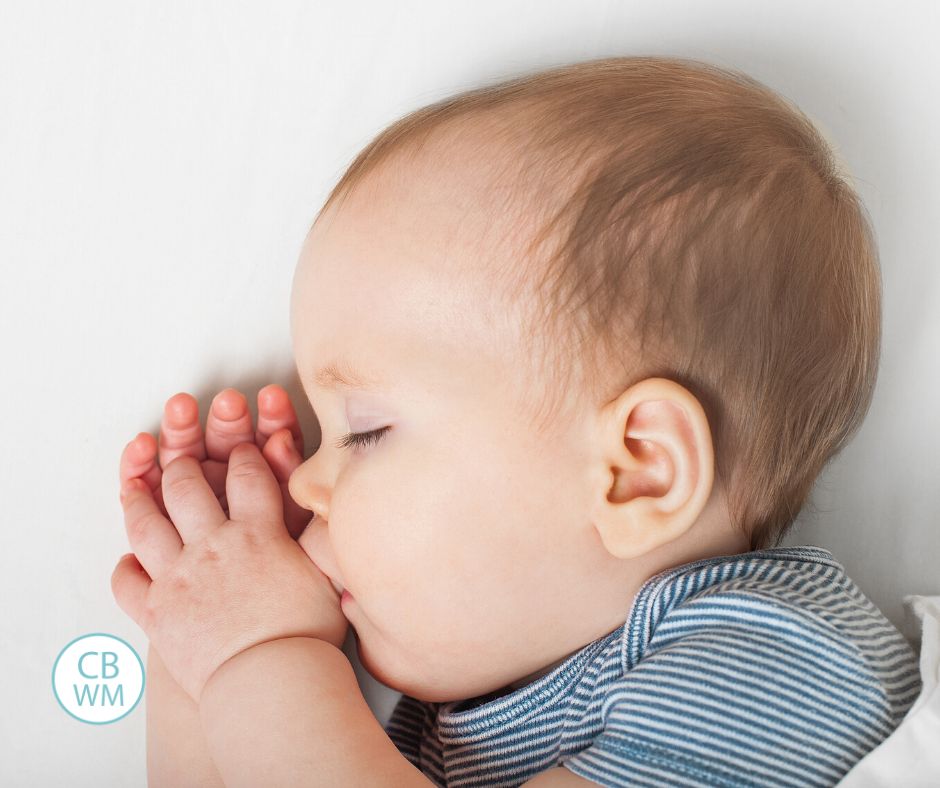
(700, 230)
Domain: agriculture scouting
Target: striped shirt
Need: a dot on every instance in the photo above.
(768, 668)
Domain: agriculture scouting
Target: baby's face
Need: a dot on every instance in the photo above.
(464, 538)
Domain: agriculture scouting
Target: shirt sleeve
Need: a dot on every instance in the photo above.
(405, 725)
(738, 689)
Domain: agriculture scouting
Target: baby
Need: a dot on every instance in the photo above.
(579, 345)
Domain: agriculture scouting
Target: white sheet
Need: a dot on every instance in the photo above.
(911, 755)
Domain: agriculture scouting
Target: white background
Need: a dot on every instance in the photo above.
(161, 162)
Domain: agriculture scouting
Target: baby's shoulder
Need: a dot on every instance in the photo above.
(798, 595)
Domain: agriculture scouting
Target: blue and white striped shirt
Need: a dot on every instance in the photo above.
(768, 668)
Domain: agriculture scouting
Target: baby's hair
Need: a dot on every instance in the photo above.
(693, 225)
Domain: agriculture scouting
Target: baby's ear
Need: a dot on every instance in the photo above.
(655, 457)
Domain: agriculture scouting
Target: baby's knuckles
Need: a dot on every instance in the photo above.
(246, 463)
(140, 529)
(179, 479)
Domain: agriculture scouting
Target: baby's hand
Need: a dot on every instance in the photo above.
(205, 585)
(229, 423)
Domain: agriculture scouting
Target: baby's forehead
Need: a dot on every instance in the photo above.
(435, 235)
(410, 247)
(483, 176)
(436, 208)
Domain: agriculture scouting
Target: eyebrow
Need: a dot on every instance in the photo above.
(339, 373)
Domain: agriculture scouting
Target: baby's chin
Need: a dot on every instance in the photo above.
(387, 675)
(423, 688)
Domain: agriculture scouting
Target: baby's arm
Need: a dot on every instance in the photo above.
(176, 749)
(290, 712)
(177, 754)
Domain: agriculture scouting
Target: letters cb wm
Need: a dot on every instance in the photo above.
(98, 678)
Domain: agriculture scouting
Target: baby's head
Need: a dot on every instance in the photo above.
(592, 324)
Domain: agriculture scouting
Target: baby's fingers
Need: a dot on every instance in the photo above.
(153, 538)
(129, 585)
(281, 453)
(275, 413)
(138, 461)
(253, 493)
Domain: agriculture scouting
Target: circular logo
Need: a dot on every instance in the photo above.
(98, 678)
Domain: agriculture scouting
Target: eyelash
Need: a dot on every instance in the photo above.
(361, 439)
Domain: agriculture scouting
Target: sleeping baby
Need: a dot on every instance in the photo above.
(579, 344)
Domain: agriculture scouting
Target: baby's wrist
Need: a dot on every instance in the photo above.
(248, 660)
(227, 665)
